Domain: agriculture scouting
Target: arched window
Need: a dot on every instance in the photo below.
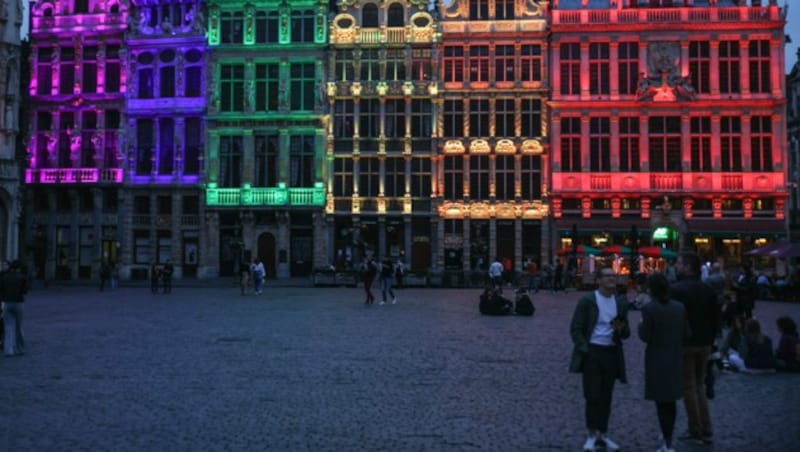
(395, 16)
(369, 17)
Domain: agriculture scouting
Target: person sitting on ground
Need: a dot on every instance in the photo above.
(756, 350)
(786, 355)
(731, 346)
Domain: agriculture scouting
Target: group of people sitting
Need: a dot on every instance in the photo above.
(746, 348)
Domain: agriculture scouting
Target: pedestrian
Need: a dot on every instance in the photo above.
(496, 275)
(114, 275)
(558, 277)
(368, 271)
(745, 287)
(155, 275)
(244, 276)
(258, 272)
(700, 302)
(400, 273)
(387, 273)
(166, 276)
(105, 274)
(663, 328)
(533, 276)
(13, 287)
(598, 326)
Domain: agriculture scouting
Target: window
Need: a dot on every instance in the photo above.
(111, 143)
(232, 87)
(479, 177)
(453, 64)
(665, 143)
(599, 72)
(421, 124)
(730, 143)
(395, 64)
(369, 176)
(145, 141)
(166, 146)
(66, 69)
(699, 66)
(629, 144)
(113, 67)
(729, 72)
(395, 124)
(531, 63)
(453, 118)
(266, 27)
(761, 143)
(395, 17)
(421, 64)
(570, 145)
(167, 73)
(600, 145)
(369, 15)
(230, 161)
(570, 68)
(344, 65)
(531, 111)
(342, 177)
(193, 137)
(395, 179)
(164, 205)
(628, 56)
(301, 161)
(504, 118)
(343, 125)
(81, 7)
(504, 64)
(504, 177)
(89, 83)
(531, 177)
(302, 83)
(266, 161)
(701, 144)
(479, 64)
(370, 64)
(479, 118)
(303, 26)
(420, 177)
(231, 30)
(88, 126)
(369, 124)
(44, 72)
(479, 9)
(504, 9)
(759, 66)
(453, 177)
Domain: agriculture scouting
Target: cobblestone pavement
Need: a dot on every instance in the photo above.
(306, 369)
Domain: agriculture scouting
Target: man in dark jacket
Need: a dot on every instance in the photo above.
(599, 324)
(13, 287)
(700, 302)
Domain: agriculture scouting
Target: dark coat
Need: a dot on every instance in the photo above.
(700, 302)
(664, 327)
(583, 322)
(13, 286)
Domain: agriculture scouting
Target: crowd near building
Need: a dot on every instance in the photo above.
(310, 133)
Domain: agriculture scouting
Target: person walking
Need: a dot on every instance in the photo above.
(745, 287)
(663, 328)
(13, 287)
(598, 326)
(258, 272)
(387, 273)
(155, 275)
(496, 275)
(400, 273)
(368, 271)
(244, 276)
(105, 274)
(114, 275)
(700, 302)
(166, 276)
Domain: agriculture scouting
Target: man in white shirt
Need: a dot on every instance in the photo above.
(496, 274)
(599, 324)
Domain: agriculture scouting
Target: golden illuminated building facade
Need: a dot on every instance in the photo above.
(491, 173)
(671, 117)
(382, 93)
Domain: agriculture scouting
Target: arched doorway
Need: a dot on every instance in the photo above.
(266, 253)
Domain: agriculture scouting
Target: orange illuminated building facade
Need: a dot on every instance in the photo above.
(491, 172)
(668, 116)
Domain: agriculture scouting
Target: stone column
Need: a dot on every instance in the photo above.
(614, 142)
(744, 67)
(747, 154)
(713, 71)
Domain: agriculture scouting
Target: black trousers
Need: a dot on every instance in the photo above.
(600, 369)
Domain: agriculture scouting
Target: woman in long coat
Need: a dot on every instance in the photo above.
(664, 327)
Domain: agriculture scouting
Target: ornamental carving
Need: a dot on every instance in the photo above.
(452, 210)
(481, 210)
(479, 147)
(505, 210)
(453, 147)
(531, 147)
(664, 81)
(505, 146)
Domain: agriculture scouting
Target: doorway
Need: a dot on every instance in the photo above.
(266, 253)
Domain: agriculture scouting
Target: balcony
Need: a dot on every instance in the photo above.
(645, 182)
(266, 196)
(73, 176)
(651, 16)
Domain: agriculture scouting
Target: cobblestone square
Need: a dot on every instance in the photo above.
(315, 369)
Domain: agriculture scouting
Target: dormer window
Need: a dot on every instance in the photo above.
(395, 16)
(369, 16)
(81, 6)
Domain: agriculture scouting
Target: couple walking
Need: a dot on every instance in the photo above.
(678, 327)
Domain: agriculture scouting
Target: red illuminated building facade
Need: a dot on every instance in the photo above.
(668, 116)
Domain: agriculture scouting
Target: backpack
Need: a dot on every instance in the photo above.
(524, 305)
(493, 304)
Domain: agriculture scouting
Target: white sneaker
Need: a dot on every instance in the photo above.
(590, 443)
(394, 300)
(610, 445)
(382, 303)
